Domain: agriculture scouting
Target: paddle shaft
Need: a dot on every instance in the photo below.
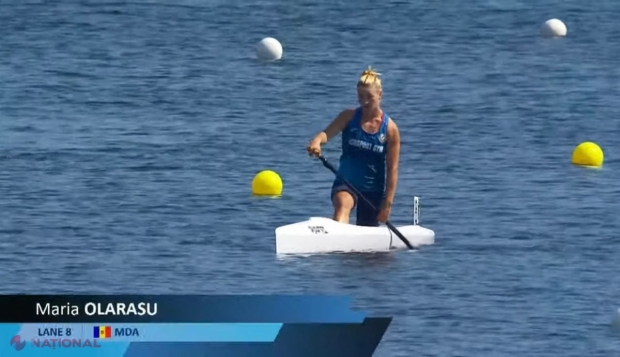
(387, 223)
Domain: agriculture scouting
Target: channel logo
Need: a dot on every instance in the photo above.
(17, 343)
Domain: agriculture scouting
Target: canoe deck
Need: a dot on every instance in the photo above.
(324, 235)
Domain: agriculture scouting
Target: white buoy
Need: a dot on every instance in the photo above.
(553, 28)
(269, 49)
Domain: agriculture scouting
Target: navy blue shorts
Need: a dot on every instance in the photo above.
(366, 215)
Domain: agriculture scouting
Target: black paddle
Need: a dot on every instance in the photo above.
(387, 223)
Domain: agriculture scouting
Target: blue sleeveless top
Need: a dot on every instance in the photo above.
(363, 159)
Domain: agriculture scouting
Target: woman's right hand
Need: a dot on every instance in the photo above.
(314, 147)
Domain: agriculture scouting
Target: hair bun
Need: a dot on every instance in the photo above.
(370, 76)
(370, 72)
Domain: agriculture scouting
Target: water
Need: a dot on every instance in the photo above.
(130, 133)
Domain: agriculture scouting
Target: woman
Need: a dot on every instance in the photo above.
(370, 154)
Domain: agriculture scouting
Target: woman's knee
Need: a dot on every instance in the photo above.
(343, 204)
(343, 200)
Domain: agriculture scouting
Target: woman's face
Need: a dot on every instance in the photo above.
(369, 97)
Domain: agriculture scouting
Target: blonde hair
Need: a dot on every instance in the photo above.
(370, 77)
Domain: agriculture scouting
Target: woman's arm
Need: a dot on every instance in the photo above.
(392, 158)
(336, 126)
(333, 129)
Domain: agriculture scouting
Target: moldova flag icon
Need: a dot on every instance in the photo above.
(102, 332)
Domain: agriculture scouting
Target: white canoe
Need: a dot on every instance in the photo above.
(324, 235)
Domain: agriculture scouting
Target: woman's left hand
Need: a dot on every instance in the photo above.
(384, 212)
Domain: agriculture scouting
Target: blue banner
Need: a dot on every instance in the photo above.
(248, 326)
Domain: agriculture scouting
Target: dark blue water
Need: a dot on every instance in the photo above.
(130, 133)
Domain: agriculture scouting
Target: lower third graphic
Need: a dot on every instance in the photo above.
(17, 343)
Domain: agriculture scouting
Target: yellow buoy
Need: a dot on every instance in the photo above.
(588, 154)
(267, 183)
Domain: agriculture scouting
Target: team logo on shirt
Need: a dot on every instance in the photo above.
(382, 138)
